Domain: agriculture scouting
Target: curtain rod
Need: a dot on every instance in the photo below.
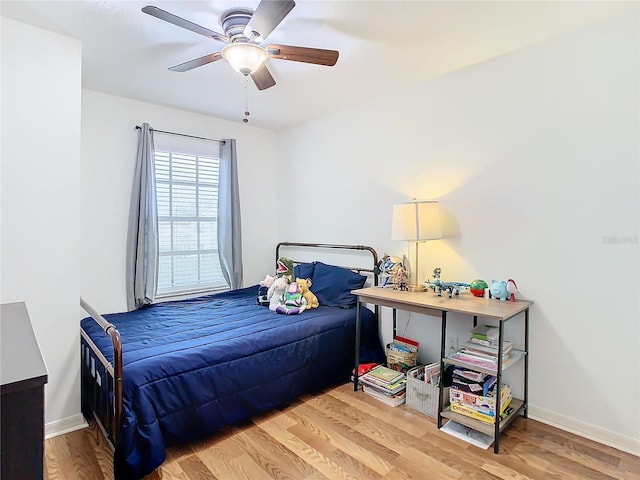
(138, 127)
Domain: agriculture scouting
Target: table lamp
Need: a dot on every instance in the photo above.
(416, 221)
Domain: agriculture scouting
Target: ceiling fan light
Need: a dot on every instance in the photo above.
(244, 58)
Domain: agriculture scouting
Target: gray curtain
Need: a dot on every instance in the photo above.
(229, 233)
(142, 239)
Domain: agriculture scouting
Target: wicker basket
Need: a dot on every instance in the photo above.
(401, 361)
(423, 396)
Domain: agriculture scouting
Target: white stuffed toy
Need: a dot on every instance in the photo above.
(263, 289)
(276, 290)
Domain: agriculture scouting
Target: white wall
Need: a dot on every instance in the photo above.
(41, 198)
(534, 158)
(109, 144)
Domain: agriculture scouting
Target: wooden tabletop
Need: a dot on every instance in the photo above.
(429, 303)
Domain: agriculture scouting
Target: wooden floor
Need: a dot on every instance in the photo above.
(345, 435)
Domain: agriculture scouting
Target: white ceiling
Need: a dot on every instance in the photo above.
(384, 46)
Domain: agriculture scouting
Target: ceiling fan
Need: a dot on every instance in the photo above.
(244, 30)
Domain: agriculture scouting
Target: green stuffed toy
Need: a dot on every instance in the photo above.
(284, 268)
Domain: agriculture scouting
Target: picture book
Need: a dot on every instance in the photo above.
(432, 373)
(384, 374)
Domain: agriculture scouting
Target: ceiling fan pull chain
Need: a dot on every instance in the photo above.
(246, 101)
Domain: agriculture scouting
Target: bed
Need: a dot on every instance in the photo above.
(178, 371)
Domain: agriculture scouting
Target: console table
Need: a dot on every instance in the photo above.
(24, 375)
(429, 303)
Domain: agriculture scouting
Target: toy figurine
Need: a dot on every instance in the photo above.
(499, 290)
(387, 269)
(438, 286)
(291, 302)
(512, 288)
(400, 279)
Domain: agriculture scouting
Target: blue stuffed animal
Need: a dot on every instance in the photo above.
(499, 289)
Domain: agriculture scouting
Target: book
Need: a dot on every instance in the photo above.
(485, 332)
(474, 360)
(506, 347)
(388, 389)
(406, 343)
(488, 364)
(488, 355)
(392, 400)
(432, 373)
(467, 434)
(384, 374)
(480, 341)
(469, 374)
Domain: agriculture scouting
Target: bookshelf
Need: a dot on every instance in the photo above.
(428, 303)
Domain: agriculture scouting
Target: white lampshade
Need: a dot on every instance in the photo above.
(244, 58)
(416, 221)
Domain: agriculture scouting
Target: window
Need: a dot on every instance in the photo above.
(187, 196)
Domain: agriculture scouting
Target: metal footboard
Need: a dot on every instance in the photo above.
(101, 380)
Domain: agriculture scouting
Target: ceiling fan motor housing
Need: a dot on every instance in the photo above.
(234, 22)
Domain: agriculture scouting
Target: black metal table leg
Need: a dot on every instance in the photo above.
(525, 410)
(443, 340)
(496, 435)
(357, 353)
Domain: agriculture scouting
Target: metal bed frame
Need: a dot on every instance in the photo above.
(102, 381)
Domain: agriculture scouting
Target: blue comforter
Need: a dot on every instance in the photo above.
(194, 366)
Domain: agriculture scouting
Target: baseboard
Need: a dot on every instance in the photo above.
(66, 425)
(586, 430)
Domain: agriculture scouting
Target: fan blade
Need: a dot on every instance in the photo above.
(317, 56)
(181, 22)
(262, 78)
(268, 16)
(198, 62)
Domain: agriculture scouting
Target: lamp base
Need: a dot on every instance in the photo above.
(416, 288)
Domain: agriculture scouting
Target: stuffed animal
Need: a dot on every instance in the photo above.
(499, 289)
(292, 302)
(276, 291)
(284, 268)
(263, 290)
(304, 284)
(267, 282)
(512, 288)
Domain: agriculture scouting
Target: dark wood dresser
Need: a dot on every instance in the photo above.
(23, 375)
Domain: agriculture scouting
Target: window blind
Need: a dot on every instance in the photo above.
(187, 197)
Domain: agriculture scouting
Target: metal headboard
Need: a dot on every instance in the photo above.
(371, 250)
